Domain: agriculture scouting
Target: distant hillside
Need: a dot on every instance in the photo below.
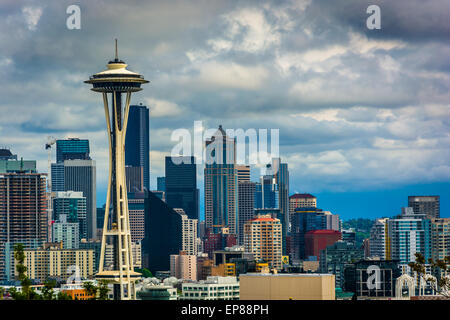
(361, 226)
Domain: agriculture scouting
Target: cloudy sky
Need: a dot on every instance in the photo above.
(363, 114)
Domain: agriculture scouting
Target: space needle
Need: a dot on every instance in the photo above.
(117, 80)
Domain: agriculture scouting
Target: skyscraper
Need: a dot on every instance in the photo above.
(66, 232)
(246, 204)
(281, 174)
(189, 230)
(181, 185)
(72, 149)
(136, 210)
(137, 141)
(161, 183)
(427, 205)
(221, 186)
(23, 215)
(80, 175)
(243, 173)
(378, 241)
(163, 234)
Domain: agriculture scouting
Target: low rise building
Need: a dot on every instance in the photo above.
(285, 286)
(213, 288)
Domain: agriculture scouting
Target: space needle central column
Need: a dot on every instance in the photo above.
(114, 82)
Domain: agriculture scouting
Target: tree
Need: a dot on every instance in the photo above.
(443, 284)
(63, 296)
(103, 290)
(27, 292)
(47, 291)
(91, 289)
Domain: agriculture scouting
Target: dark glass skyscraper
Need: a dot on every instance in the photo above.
(137, 141)
(181, 185)
(72, 149)
(163, 234)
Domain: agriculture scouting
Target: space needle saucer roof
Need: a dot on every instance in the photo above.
(116, 78)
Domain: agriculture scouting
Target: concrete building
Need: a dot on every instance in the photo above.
(260, 286)
(55, 262)
(263, 238)
(440, 238)
(379, 245)
(183, 266)
(66, 232)
(213, 288)
(189, 230)
(23, 215)
(136, 212)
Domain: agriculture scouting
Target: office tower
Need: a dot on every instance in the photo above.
(332, 220)
(243, 173)
(318, 240)
(100, 219)
(379, 245)
(267, 193)
(304, 220)
(246, 205)
(221, 187)
(117, 80)
(136, 211)
(163, 234)
(440, 238)
(409, 233)
(57, 176)
(80, 176)
(72, 149)
(181, 185)
(189, 236)
(51, 261)
(72, 205)
(427, 205)
(160, 194)
(281, 174)
(134, 178)
(66, 232)
(335, 258)
(161, 183)
(137, 142)
(300, 200)
(202, 229)
(263, 238)
(183, 266)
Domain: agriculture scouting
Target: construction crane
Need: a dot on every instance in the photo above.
(48, 146)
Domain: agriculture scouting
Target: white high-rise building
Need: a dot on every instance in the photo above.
(66, 232)
(378, 244)
(189, 236)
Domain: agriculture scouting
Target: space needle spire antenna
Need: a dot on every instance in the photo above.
(112, 83)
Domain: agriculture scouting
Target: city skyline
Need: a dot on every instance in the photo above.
(254, 67)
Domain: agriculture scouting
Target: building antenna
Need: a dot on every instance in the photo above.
(117, 55)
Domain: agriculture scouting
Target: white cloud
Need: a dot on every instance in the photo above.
(32, 16)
